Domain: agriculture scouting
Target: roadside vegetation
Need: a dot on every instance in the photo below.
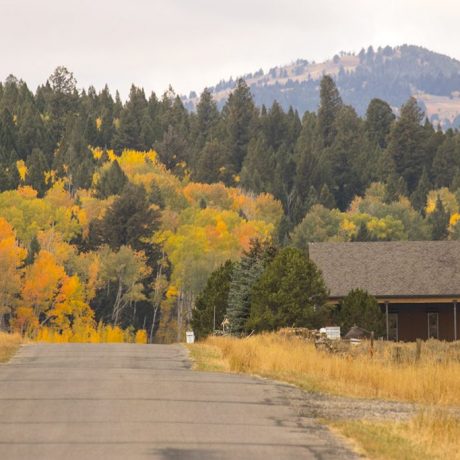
(433, 380)
(9, 343)
(431, 434)
(393, 372)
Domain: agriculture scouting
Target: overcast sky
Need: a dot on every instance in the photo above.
(191, 44)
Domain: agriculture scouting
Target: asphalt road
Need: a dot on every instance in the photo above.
(123, 401)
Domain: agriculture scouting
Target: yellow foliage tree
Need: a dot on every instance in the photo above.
(11, 260)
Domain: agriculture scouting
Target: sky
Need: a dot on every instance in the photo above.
(191, 44)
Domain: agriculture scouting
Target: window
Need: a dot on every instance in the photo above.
(393, 326)
(433, 325)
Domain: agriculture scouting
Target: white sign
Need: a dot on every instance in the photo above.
(190, 336)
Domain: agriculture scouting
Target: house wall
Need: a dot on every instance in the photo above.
(413, 320)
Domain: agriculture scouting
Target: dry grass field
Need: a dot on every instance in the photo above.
(434, 379)
(392, 372)
(9, 343)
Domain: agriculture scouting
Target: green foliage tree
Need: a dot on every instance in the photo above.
(290, 292)
(212, 303)
(359, 308)
(111, 182)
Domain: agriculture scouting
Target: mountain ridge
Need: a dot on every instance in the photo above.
(392, 74)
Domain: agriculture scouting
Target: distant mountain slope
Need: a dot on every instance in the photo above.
(392, 74)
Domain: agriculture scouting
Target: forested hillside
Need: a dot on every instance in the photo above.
(392, 74)
(117, 212)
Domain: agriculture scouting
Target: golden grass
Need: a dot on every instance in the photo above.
(9, 343)
(432, 434)
(433, 380)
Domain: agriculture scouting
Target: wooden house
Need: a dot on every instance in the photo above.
(417, 283)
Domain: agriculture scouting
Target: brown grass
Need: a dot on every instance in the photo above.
(9, 343)
(432, 434)
(433, 380)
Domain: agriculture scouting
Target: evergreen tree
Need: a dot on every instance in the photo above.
(290, 292)
(259, 165)
(245, 275)
(395, 188)
(419, 197)
(37, 165)
(74, 161)
(439, 220)
(330, 104)
(379, 118)
(111, 182)
(128, 222)
(326, 198)
(406, 144)
(343, 158)
(209, 162)
(363, 234)
(212, 303)
(361, 309)
(446, 162)
(206, 120)
(33, 250)
(7, 131)
(9, 174)
(238, 118)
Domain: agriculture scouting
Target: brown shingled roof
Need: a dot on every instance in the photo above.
(390, 269)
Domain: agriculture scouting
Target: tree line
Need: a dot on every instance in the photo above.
(324, 158)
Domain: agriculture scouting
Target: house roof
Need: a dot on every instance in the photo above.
(390, 269)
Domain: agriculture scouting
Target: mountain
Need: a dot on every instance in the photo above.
(392, 74)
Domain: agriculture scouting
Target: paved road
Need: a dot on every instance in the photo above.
(123, 401)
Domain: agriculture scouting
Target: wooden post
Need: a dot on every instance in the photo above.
(214, 320)
(397, 354)
(371, 351)
(387, 321)
(418, 350)
(455, 320)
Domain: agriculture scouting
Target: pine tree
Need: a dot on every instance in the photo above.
(34, 249)
(361, 309)
(244, 276)
(238, 118)
(330, 104)
(439, 220)
(363, 233)
(395, 188)
(419, 197)
(111, 182)
(379, 118)
(446, 162)
(212, 303)
(74, 161)
(290, 292)
(206, 120)
(407, 144)
(326, 198)
(128, 222)
(37, 165)
(9, 174)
